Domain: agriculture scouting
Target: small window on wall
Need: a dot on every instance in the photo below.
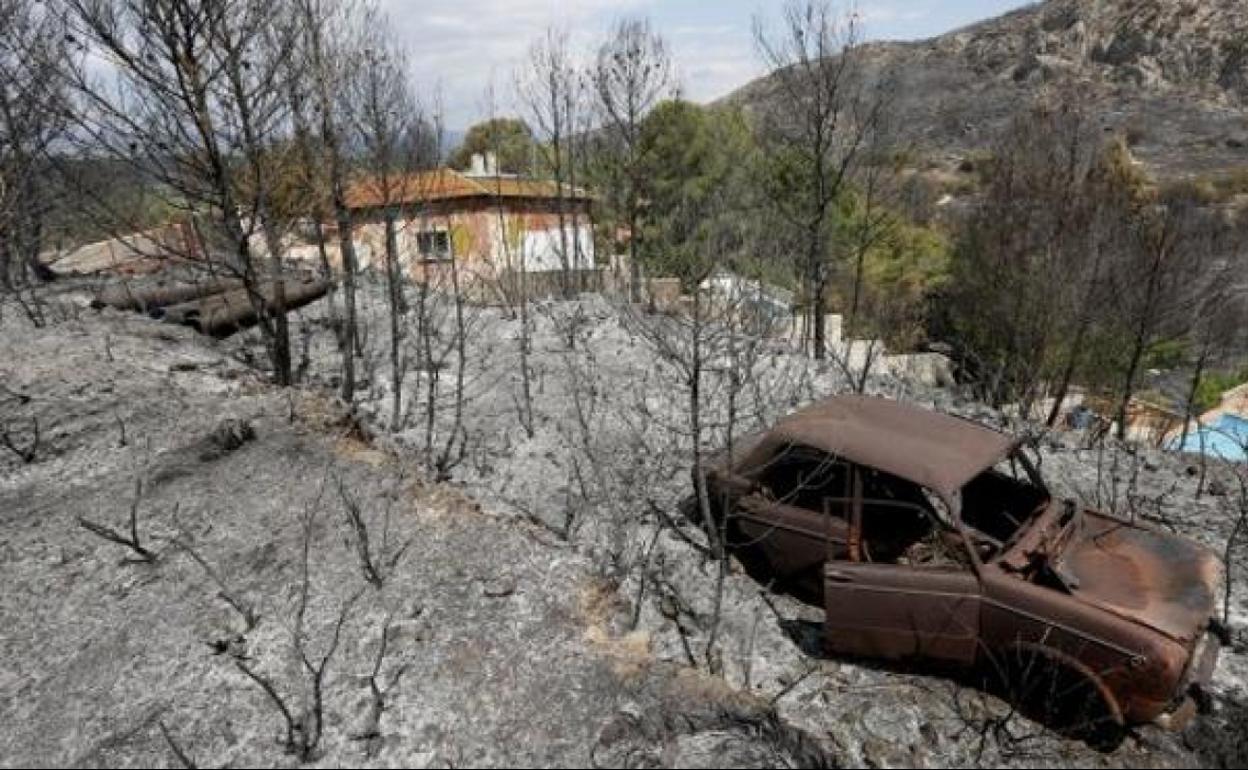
(434, 246)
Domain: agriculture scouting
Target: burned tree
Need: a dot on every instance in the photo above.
(710, 349)
(34, 106)
(511, 270)
(303, 734)
(1234, 507)
(397, 142)
(377, 558)
(443, 324)
(1219, 304)
(249, 66)
(1031, 266)
(245, 609)
(379, 689)
(195, 91)
(1162, 250)
(553, 91)
(632, 73)
(326, 29)
(304, 725)
(310, 172)
(131, 541)
(824, 108)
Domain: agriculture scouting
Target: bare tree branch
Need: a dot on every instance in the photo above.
(132, 542)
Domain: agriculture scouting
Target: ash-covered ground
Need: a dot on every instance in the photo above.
(543, 607)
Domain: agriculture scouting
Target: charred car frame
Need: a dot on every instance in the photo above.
(927, 536)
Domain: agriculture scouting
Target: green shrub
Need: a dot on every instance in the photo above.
(1165, 354)
(1212, 385)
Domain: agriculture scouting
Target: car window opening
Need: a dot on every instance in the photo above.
(997, 505)
(807, 479)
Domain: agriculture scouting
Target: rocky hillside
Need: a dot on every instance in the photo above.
(1171, 75)
(529, 619)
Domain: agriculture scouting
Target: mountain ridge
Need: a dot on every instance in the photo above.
(1171, 75)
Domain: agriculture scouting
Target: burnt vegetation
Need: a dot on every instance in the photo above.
(132, 540)
(26, 450)
(591, 372)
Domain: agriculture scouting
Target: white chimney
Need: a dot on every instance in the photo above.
(491, 164)
(478, 164)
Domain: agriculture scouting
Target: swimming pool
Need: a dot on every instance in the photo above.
(1226, 438)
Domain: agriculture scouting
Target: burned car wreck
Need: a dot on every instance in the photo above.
(929, 537)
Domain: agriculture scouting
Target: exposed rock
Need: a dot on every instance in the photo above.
(231, 434)
(519, 645)
(687, 730)
(1178, 66)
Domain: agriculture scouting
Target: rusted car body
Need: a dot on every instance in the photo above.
(928, 536)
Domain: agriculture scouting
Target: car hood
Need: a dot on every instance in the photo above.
(1163, 581)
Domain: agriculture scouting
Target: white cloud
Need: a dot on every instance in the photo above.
(461, 47)
(712, 61)
(885, 13)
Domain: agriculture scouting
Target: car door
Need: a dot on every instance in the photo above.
(794, 541)
(796, 516)
(902, 609)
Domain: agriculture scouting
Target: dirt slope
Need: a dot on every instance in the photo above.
(516, 647)
(509, 657)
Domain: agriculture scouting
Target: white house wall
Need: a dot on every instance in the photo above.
(542, 249)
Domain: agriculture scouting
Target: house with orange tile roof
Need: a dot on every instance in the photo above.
(489, 225)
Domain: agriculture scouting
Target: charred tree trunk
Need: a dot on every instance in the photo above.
(395, 285)
(347, 246)
(1068, 374)
(1201, 362)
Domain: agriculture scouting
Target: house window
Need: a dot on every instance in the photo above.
(434, 246)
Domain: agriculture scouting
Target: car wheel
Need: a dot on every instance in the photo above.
(1062, 694)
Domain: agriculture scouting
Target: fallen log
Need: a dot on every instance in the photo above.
(221, 315)
(147, 298)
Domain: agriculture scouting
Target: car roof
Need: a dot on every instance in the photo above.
(938, 451)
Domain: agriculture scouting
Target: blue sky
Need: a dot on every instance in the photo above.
(460, 47)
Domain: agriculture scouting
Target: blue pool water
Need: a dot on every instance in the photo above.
(1226, 438)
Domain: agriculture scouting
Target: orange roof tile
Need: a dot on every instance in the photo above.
(449, 184)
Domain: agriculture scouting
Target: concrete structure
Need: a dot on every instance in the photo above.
(1235, 401)
(1147, 422)
(934, 370)
(801, 330)
(770, 306)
